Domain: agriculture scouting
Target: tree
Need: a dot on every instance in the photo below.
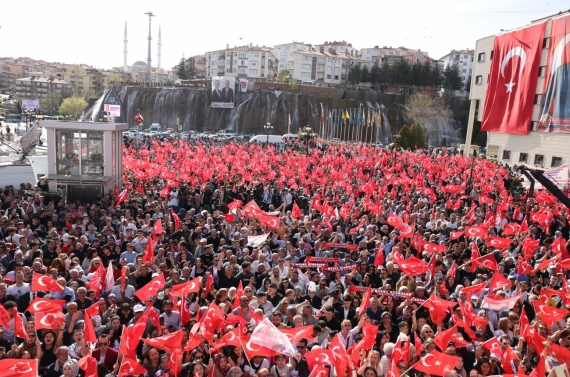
(190, 68)
(354, 74)
(451, 80)
(468, 84)
(364, 74)
(402, 72)
(51, 101)
(181, 69)
(112, 79)
(417, 74)
(73, 106)
(429, 111)
(436, 77)
(411, 137)
(375, 74)
(386, 73)
(283, 76)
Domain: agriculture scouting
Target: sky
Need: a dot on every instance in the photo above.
(91, 33)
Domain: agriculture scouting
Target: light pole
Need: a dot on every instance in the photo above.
(307, 135)
(268, 127)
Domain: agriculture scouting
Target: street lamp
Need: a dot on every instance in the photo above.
(307, 135)
(268, 127)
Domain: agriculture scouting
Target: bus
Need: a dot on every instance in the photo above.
(13, 118)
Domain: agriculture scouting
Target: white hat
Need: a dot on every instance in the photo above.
(138, 308)
(312, 287)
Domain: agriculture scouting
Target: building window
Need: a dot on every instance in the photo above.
(243, 54)
(538, 159)
(328, 77)
(506, 155)
(556, 162)
(536, 98)
(541, 70)
(254, 63)
(214, 63)
(306, 66)
(242, 70)
(479, 80)
(481, 57)
(335, 77)
(545, 42)
(253, 71)
(254, 55)
(532, 125)
(306, 74)
(523, 157)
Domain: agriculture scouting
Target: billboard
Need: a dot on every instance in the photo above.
(113, 110)
(31, 104)
(243, 84)
(554, 113)
(223, 92)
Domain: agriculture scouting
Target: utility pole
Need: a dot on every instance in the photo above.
(149, 70)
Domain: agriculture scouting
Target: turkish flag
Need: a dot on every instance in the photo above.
(434, 248)
(548, 314)
(5, 317)
(232, 338)
(412, 266)
(498, 281)
(158, 226)
(131, 337)
(438, 308)
(297, 333)
(195, 339)
(494, 346)
(175, 218)
(44, 305)
(396, 222)
(499, 243)
(296, 211)
(169, 343)
(44, 283)
(511, 229)
(320, 357)
(267, 335)
(88, 331)
(559, 247)
(407, 231)
(192, 286)
(341, 357)
(476, 231)
(418, 344)
(523, 268)
(130, 367)
(49, 320)
(271, 222)
(19, 329)
(379, 258)
(318, 371)
(149, 253)
(239, 293)
(251, 350)
(459, 322)
(437, 363)
(151, 288)
(210, 321)
(89, 365)
(122, 197)
(19, 368)
(235, 205)
(487, 261)
(512, 80)
(365, 302)
(456, 235)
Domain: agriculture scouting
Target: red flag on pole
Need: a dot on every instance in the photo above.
(296, 211)
(19, 329)
(176, 219)
(130, 367)
(437, 363)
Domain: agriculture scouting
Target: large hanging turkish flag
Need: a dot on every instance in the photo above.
(512, 80)
(554, 115)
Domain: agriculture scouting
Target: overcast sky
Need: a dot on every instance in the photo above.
(92, 32)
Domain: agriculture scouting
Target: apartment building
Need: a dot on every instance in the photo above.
(323, 66)
(201, 65)
(7, 78)
(83, 78)
(390, 54)
(283, 52)
(35, 87)
(251, 62)
(464, 61)
(341, 47)
(541, 149)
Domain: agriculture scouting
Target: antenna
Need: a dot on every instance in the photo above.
(148, 60)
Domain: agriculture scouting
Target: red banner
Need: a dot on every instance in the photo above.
(512, 80)
(323, 260)
(331, 245)
(308, 265)
(554, 113)
(343, 268)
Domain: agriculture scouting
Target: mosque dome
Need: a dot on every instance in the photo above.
(140, 62)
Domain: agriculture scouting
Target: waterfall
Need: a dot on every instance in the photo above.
(385, 136)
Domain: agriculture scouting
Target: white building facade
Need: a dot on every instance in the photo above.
(543, 150)
(464, 61)
(283, 52)
(249, 62)
(323, 66)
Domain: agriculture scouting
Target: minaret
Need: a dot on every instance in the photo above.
(125, 66)
(158, 55)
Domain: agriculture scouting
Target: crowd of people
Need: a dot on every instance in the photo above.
(359, 261)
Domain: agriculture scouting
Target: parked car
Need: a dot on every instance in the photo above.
(273, 139)
(154, 128)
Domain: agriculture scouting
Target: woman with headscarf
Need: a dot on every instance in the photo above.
(70, 369)
(220, 365)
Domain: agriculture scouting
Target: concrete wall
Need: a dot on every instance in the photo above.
(316, 91)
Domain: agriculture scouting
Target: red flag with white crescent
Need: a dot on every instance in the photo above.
(512, 80)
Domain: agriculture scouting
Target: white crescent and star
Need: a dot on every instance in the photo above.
(38, 307)
(18, 367)
(325, 358)
(515, 51)
(248, 346)
(425, 359)
(558, 53)
(49, 315)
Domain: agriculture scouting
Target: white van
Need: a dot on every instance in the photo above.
(290, 137)
(273, 139)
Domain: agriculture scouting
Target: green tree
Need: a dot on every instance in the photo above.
(113, 79)
(375, 74)
(354, 74)
(386, 73)
(402, 72)
(411, 137)
(417, 75)
(51, 102)
(365, 74)
(190, 68)
(283, 76)
(451, 80)
(468, 84)
(436, 77)
(73, 106)
(180, 69)
(426, 74)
